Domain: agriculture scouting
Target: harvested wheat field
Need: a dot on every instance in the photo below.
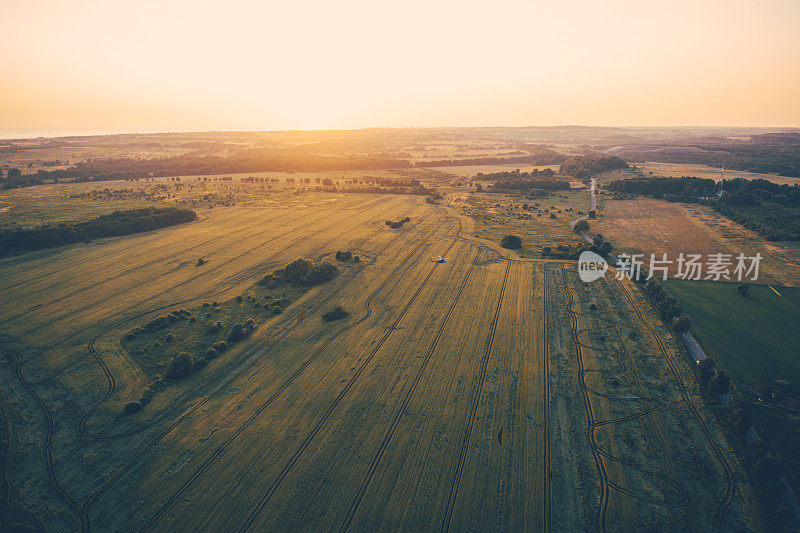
(477, 393)
(646, 225)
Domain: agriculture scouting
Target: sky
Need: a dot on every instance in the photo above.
(194, 65)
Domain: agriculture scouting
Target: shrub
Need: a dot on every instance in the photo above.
(211, 353)
(220, 346)
(217, 309)
(681, 324)
(237, 333)
(133, 407)
(192, 320)
(130, 336)
(511, 242)
(581, 226)
(337, 313)
(169, 337)
(213, 327)
(181, 365)
(276, 310)
(239, 299)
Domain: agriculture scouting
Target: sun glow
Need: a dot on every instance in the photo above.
(310, 65)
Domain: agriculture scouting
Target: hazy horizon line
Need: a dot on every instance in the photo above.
(21, 134)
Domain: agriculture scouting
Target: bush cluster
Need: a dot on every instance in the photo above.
(301, 272)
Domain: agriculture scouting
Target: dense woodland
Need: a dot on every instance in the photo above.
(118, 223)
(769, 153)
(586, 166)
(516, 181)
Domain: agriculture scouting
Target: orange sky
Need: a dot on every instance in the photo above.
(100, 66)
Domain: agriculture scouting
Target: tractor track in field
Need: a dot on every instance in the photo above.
(204, 272)
(289, 327)
(181, 302)
(223, 447)
(111, 388)
(290, 465)
(682, 498)
(125, 270)
(587, 407)
(110, 276)
(82, 511)
(126, 248)
(548, 482)
(730, 485)
(399, 414)
(83, 518)
(476, 397)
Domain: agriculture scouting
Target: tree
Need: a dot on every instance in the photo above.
(581, 226)
(743, 289)
(597, 240)
(681, 324)
(511, 242)
(14, 173)
(180, 366)
(720, 384)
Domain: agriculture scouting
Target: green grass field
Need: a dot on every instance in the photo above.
(755, 338)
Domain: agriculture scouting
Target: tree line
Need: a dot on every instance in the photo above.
(115, 224)
(539, 156)
(589, 165)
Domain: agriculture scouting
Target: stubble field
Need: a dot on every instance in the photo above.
(487, 392)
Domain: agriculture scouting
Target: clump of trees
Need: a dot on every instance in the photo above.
(526, 182)
(394, 224)
(347, 256)
(301, 272)
(240, 331)
(539, 155)
(581, 226)
(512, 242)
(589, 165)
(336, 313)
(118, 223)
(573, 251)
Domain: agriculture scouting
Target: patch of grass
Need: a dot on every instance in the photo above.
(755, 338)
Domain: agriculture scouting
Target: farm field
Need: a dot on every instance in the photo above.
(497, 215)
(480, 393)
(755, 356)
(646, 225)
(704, 171)
(739, 333)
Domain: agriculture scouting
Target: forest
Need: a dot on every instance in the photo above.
(589, 165)
(19, 240)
